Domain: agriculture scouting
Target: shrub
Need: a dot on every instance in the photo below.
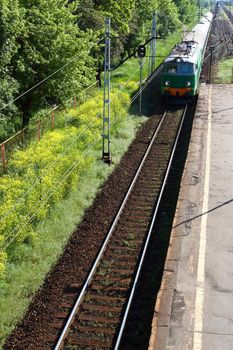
(41, 175)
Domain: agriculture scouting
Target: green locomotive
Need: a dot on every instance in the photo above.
(182, 68)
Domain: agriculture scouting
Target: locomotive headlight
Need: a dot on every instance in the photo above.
(167, 83)
(188, 83)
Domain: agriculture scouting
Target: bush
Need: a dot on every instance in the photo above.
(42, 175)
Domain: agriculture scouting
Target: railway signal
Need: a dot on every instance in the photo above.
(141, 55)
(141, 51)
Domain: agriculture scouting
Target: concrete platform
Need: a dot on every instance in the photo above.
(194, 309)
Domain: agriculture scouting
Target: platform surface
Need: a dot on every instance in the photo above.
(194, 309)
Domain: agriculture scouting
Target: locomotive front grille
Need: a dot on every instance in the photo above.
(178, 91)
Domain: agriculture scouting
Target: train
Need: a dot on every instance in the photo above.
(182, 68)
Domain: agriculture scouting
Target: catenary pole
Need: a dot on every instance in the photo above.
(140, 96)
(153, 45)
(106, 154)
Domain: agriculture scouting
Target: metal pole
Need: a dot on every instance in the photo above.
(153, 45)
(53, 119)
(140, 97)
(199, 10)
(106, 155)
(3, 156)
(211, 62)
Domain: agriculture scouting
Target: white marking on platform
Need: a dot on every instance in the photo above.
(200, 289)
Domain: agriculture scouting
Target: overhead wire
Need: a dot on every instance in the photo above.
(219, 46)
(20, 199)
(38, 181)
(69, 171)
(52, 164)
(47, 78)
(91, 146)
(52, 190)
(55, 72)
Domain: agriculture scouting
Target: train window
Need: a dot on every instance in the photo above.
(180, 68)
(171, 68)
(186, 68)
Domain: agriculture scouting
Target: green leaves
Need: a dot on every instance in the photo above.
(42, 175)
(11, 27)
(51, 39)
(38, 37)
(186, 10)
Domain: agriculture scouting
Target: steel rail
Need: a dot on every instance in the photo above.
(149, 234)
(218, 48)
(221, 44)
(74, 311)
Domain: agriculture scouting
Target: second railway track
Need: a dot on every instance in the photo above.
(97, 319)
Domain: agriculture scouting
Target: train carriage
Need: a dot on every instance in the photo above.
(182, 68)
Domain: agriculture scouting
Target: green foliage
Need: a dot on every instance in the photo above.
(30, 167)
(3, 258)
(11, 27)
(120, 11)
(224, 74)
(37, 37)
(45, 172)
(141, 22)
(40, 242)
(90, 17)
(168, 18)
(50, 40)
(25, 274)
(186, 10)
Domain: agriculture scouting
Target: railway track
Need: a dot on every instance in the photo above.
(98, 317)
(220, 39)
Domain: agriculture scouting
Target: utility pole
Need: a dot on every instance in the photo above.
(106, 155)
(199, 10)
(211, 63)
(140, 96)
(153, 45)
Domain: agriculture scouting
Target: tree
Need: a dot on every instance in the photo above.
(187, 9)
(50, 40)
(89, 16)
(167, 18)
(37, 37)
(11, 27)
(121, 13)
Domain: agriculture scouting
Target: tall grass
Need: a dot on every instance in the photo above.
(224, 71)
(32, 262)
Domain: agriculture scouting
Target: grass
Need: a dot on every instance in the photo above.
(31, 264)
(224, 73)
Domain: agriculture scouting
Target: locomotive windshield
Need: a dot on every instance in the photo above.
(171, 68)
(186, 68)
(180, 68)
